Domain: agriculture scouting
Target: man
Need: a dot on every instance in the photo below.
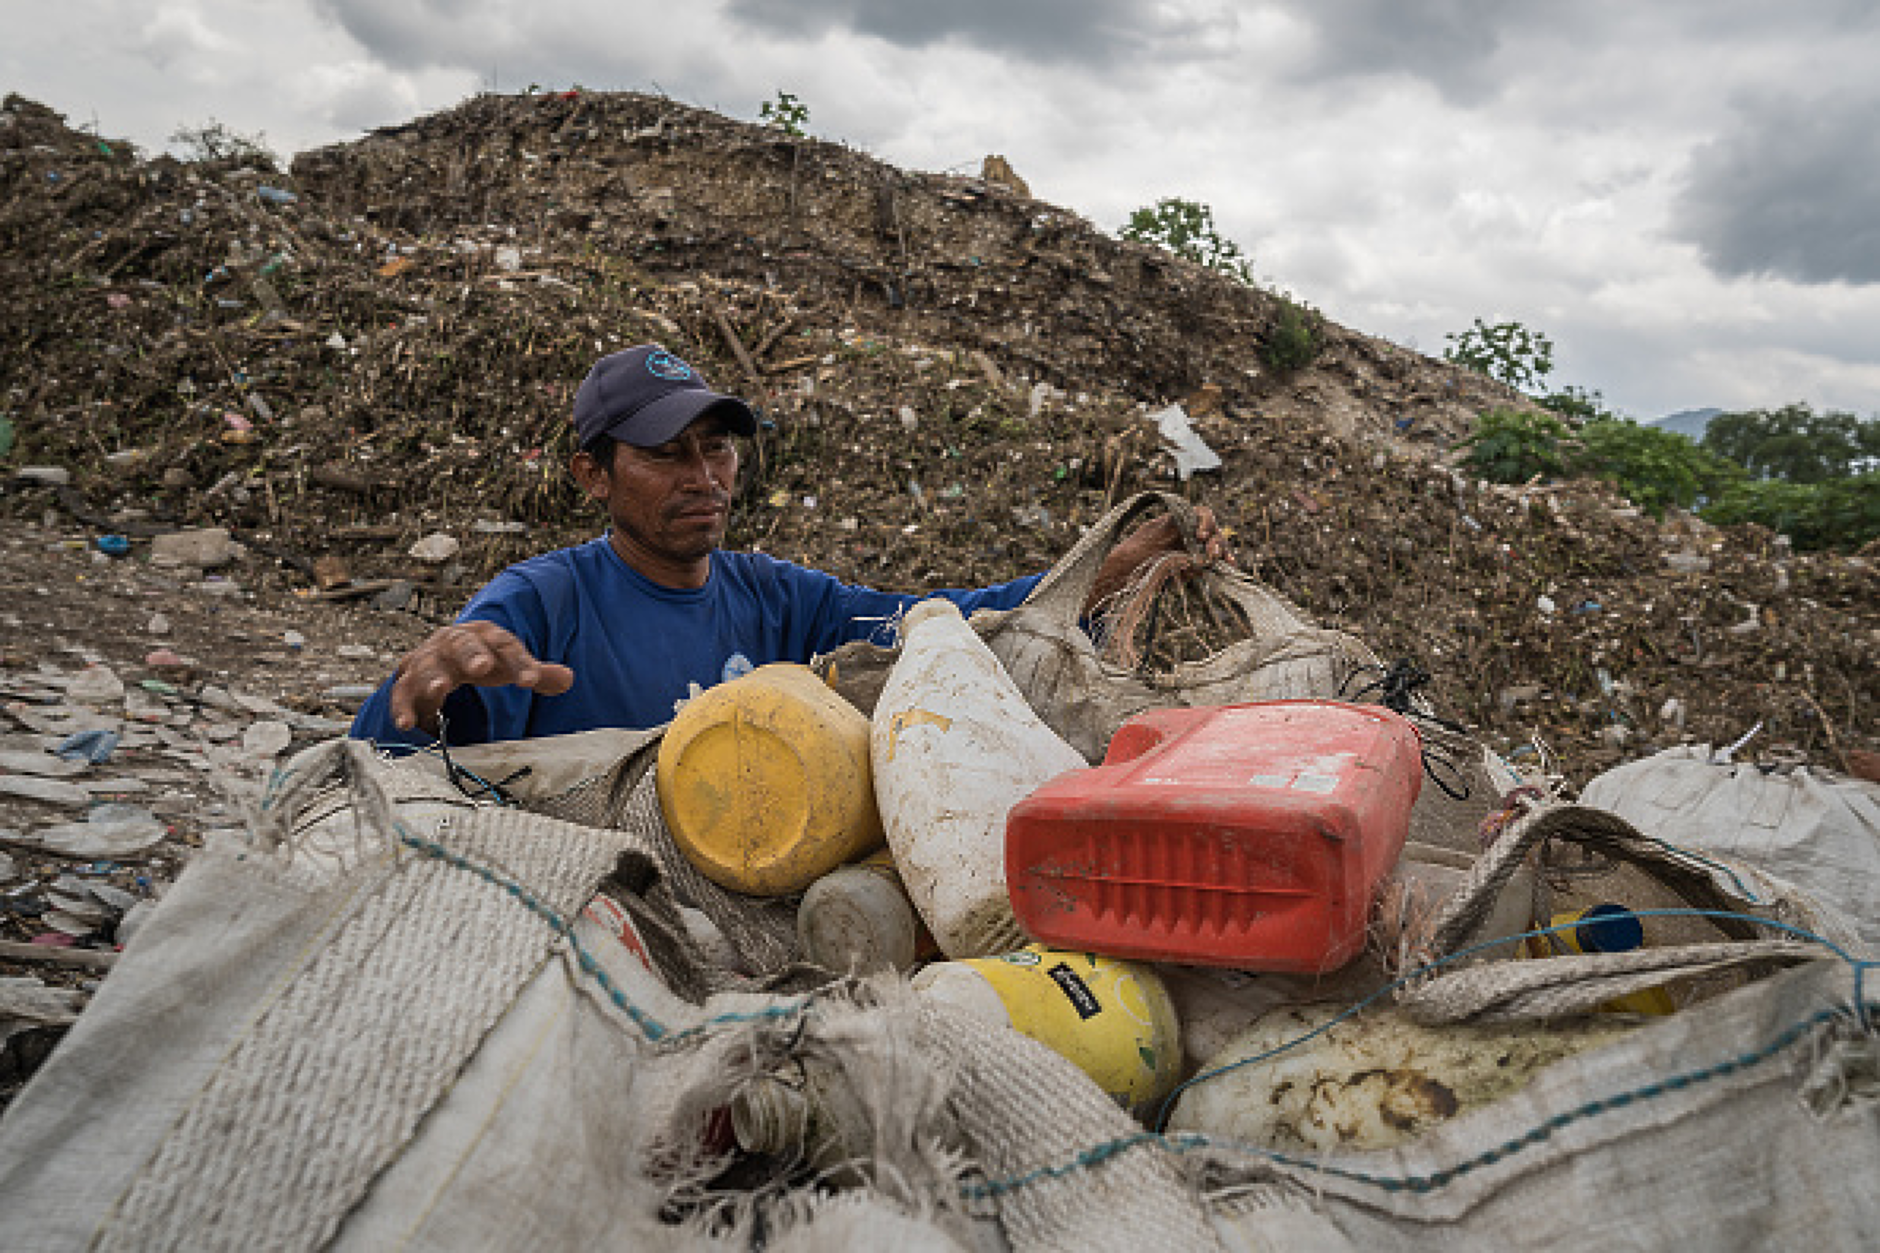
(624, 629)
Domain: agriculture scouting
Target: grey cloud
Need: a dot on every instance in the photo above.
(1041, 30)
(417, 34)
(1791, 190)
(1449, 43)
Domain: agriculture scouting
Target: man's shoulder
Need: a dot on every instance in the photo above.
(762, 572)
(552, 574)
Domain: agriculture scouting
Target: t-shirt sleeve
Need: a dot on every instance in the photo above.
(839, 612)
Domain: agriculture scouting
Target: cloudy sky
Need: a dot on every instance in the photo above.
(1684, 195)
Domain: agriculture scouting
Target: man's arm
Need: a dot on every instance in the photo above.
(466, 653)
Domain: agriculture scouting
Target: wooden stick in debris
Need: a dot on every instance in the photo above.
(738, 350)
(1834, 741)
(46, 954)
(771, 337)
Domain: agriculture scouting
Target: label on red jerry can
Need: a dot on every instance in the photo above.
(1252, 836)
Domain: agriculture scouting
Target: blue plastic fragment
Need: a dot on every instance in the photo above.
(95, 746)
(113, 545)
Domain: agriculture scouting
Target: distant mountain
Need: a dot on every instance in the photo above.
(1691, 422)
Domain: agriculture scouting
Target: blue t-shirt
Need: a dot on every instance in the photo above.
(640, 650)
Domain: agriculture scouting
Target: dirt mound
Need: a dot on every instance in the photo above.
(955, 378)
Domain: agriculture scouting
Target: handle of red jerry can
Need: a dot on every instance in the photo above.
(1146, 732)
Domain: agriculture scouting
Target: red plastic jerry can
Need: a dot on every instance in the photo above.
(1252, 836)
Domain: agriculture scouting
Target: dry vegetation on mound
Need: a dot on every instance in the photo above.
(382, 342)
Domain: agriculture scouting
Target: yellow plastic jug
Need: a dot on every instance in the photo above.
(1112, 1019)
(765, 781)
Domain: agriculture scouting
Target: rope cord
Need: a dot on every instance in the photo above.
(485, 790)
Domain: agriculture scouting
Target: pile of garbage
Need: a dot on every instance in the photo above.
(378, 345)
(935, 943)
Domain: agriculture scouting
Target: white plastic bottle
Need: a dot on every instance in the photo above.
(954, 746)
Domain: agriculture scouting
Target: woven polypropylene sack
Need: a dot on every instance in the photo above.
(1819, 832)
(594, 778)
(1083, 697)
(414, 1042)
(1747, 1123)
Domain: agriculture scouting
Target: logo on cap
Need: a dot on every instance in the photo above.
(665, 365)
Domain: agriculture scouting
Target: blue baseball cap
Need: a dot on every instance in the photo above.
(645, 396)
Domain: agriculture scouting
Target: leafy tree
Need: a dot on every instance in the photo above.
(1653, 468)
(1794, 443)
(1506, 351)
(1186, 228)
(1838, 513)
(786, 113)
(1576, 404)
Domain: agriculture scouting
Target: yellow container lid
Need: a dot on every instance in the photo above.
(765, 782)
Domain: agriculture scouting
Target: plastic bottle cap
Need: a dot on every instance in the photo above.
(932, 607)
(1609, 929)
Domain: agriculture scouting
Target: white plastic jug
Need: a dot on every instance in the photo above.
(954, 746)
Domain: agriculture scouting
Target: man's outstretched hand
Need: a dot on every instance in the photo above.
(479, 653)
(1156, 538)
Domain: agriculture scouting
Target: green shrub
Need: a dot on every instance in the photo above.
(1514, 445)
(1505, 351)
(786, 113)
(1654, 468)
(1840, 513)
(1186, 228)
(1296, 336)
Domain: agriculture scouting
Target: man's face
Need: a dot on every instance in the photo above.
(668, 504)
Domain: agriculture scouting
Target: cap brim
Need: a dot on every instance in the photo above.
(672, 413)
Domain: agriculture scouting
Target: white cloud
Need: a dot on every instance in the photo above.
(176, 37)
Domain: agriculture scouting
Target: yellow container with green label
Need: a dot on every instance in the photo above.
(765, 781)
(1112, 1019)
